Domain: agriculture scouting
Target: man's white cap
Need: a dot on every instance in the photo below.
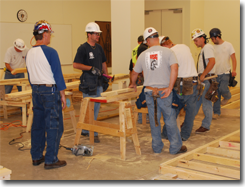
(160, 39)
(20, 44)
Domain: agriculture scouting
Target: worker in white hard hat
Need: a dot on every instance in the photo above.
(15, 58)
(160, 68)
(185, 88)
(91, 59)
(205, 68)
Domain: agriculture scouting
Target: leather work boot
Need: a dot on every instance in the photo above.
(58, 164)
(38, 162)
(182, 149)
(201, 130)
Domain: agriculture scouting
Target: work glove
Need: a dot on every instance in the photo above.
(95, 71)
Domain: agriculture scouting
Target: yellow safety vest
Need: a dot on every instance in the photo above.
(134, 54)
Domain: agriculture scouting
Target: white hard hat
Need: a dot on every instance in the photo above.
(92, 27)
(196, 33)
(19, 44)
(149, 31)
(160, 39)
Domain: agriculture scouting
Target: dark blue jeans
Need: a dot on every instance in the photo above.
(47, 123)
(8, 75)
(190, 108)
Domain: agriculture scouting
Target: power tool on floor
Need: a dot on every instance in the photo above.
(84, 150)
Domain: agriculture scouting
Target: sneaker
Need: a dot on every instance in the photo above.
(224, 101)
(215, 116)
(182, 149)
(96, 139)
(58, 164)
(201, 130)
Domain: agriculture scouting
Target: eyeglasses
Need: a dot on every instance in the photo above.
(96, 33)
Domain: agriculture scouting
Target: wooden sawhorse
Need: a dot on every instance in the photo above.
(126, 127)
(69, 108)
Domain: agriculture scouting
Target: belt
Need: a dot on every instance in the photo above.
(195, 83)
(47, 85)
(155, 89)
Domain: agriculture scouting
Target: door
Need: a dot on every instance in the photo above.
(105, 39)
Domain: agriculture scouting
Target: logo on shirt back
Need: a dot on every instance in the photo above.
(91, 55)
(153, 61)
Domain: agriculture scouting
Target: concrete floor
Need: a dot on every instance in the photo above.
(106, 164)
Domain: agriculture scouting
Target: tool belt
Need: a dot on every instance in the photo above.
(155, 90)
(155, 95)
(212, 93)
(187, 85)
(89, 83)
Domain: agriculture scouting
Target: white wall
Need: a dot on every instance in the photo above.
(206, 14)
(75, 13)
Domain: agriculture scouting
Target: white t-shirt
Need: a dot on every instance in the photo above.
(185, 60)
(155, 62)
(15, 59)
(208, 53)
(223, 54)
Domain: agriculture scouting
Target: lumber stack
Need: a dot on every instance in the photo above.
(218, 160)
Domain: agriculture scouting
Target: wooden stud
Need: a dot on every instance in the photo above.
(190, 174)
(135, 134)
(235, 139)
(230, 112)
(202, 149)
(83, 110)
(234, 90)
(122, 129)
(217, 159)
(204, 167)
(30, 118)
(19, 70)
(233, 105)
(229, 145)
(224, 152)
(91, 121)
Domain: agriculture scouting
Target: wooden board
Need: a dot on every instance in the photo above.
(5, 173)
(217, 160)
(19, 70)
